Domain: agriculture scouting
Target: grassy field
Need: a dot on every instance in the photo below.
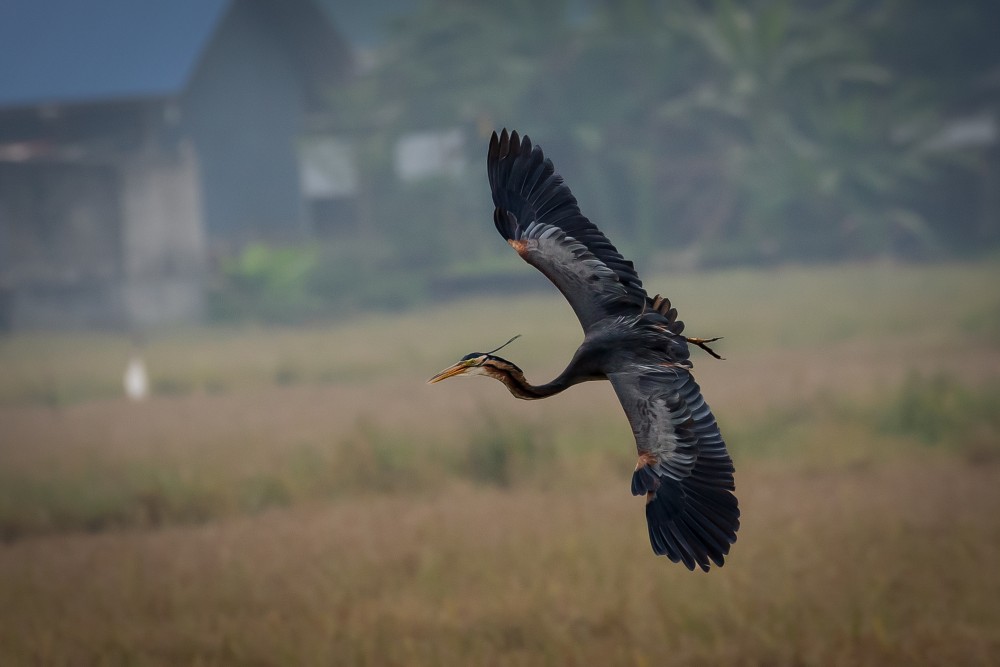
(300, 496)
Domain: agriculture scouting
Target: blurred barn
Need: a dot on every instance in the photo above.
(136, 137)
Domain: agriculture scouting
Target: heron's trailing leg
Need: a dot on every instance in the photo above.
(703, 344)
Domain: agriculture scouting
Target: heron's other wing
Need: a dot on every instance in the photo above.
(684, 469)
(540, 218)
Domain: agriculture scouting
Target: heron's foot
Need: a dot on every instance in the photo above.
(703, 344)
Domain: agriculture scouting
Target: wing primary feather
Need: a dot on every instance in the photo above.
(687, 551)
(525, 184)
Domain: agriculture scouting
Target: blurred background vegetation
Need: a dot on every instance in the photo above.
(698, 134)
(297, 495)
(816, 181)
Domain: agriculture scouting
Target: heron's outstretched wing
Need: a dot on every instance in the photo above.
(540, 218)
(684, 469)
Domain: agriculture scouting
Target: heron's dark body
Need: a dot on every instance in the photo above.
(612, 346)
(632, 340)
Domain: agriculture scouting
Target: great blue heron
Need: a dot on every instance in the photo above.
(633, 341)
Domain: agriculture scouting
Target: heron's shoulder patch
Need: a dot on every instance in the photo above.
(523, 246)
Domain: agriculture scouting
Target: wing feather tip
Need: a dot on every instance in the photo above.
(698, 534)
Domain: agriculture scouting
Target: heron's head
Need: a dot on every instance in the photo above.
(476, 363)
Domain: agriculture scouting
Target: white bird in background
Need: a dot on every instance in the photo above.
(136, 380)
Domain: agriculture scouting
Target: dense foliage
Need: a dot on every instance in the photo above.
(695, 132)
(747, 130)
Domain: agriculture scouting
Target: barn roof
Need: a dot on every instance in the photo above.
(68, 51)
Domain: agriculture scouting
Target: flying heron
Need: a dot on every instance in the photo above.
(632, 340)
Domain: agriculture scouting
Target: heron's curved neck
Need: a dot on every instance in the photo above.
(513, 378)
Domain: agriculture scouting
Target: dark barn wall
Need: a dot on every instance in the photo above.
(244, 111)
(60, 222)
(60, 244)
(100, 221)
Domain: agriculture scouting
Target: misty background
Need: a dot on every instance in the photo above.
(243, 161)
(237, 237)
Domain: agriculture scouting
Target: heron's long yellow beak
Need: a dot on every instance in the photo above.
(451, 371)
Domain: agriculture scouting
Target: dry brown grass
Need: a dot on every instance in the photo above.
(274, 507)
(884, 564)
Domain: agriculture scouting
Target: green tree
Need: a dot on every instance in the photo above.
(747, 131)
